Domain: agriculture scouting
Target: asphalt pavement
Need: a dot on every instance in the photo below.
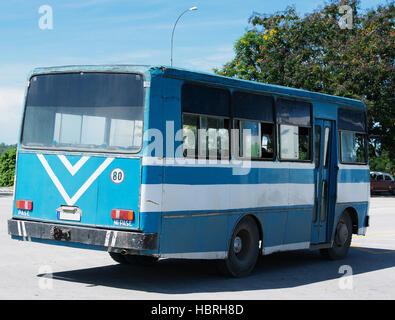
(40, 271)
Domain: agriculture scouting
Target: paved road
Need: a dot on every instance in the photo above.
(26, 268)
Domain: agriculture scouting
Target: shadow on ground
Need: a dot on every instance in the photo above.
(382, 195)
(281, 270)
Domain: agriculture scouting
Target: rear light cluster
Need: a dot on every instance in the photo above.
(24, 204)
(119, 214)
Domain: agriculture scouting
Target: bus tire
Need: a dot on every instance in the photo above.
(243, 250)
(342, 240)
(117, 257)
(147, 261)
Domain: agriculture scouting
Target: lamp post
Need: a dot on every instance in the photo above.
(172, 34)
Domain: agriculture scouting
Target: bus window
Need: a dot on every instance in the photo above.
(353, 147)
(85, 111)
(189, 129)
(253, 118)
(294, 119)
(352, 131)
(213, 138)
(205, 121)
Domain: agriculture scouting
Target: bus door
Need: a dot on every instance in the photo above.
(325, 138)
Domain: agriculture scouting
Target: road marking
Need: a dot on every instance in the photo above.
(375, 235)
(372, 251)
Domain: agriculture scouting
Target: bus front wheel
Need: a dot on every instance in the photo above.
(342, 240)
(243, 250)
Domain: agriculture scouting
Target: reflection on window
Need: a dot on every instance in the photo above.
(352, 147)
(90, 131)
(250, 139)
(78, 129)
(255, 139)
(213, 138)
(189, 132)
(126, 133)
(205, 137)
(294, 142)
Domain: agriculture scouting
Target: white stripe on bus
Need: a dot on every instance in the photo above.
(84, 187)
(224, 196)
(73, 169)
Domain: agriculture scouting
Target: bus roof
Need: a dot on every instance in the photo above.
(205, 77)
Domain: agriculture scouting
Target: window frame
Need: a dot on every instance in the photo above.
(83, 150)
(311, 127)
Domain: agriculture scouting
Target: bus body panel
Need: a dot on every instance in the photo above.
(90, 188)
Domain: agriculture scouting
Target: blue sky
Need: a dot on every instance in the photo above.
(120, 32)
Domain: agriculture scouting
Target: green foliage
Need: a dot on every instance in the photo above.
(384, 163)
(7, 168)
(4, 147)
(314, 53)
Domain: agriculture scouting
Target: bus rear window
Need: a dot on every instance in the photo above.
(85, 111)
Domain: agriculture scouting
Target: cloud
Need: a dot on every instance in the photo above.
(216, 59)
(11, 103)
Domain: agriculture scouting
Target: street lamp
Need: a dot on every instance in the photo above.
(172, 34)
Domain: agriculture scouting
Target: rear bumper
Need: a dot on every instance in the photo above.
(83, 235)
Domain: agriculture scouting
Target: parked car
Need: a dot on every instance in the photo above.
(381, 182)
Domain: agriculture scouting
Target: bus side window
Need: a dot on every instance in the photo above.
(189, 131)
(205, 121)
(352, 128)
(254, 123)
(294, 120)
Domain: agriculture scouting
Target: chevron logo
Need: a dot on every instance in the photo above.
(73, 169)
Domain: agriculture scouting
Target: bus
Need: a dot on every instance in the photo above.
(152, 162)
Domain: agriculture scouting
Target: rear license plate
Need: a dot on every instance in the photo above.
(69, 213)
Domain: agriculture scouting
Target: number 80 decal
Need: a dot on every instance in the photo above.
(117, 175)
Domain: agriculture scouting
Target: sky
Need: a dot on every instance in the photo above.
(120, 32)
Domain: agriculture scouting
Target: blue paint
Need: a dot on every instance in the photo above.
(216, 175)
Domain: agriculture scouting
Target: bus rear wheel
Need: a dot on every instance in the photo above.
(342, 240)
(117, 257)
(243, 250)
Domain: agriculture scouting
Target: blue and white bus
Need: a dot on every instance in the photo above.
(150, 162)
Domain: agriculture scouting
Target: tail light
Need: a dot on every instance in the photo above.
(24, 204)
(119, 214)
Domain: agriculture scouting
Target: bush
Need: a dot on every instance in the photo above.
(7, 168)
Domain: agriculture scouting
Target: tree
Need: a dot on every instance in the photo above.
(7, 168)
(4, 147)
(314, 53)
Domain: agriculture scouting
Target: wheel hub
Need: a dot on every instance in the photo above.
(237, 244)
(342, 234)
